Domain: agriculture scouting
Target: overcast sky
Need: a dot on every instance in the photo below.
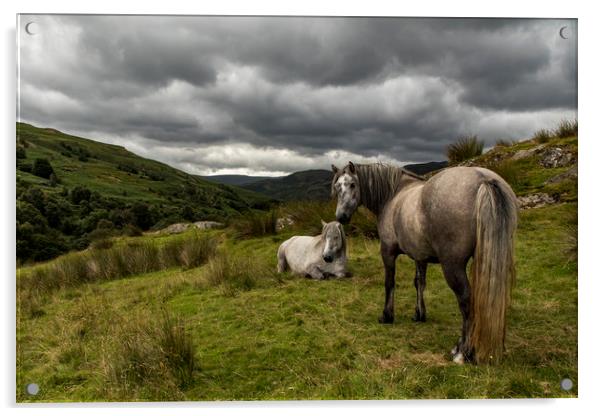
(270, 96)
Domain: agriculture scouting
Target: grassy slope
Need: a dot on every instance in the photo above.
(304, 185)
(101, 173)
(302, 339)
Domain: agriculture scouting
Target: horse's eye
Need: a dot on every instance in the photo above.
(352, 186)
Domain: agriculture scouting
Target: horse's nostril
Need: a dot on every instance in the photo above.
(343, 219)
(328, 259)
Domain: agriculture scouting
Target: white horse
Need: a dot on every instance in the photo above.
(317, 257)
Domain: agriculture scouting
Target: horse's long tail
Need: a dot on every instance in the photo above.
(493, 274)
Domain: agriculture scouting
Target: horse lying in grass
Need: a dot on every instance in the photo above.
(317, 257)
(458, 214)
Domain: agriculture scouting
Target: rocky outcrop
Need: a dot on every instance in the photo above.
(525, 153)
(556, 157)
(180, 227)
(208, 225)
(536, 200)
(284, 222)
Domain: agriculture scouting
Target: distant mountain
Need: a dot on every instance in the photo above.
(307, 184)
(311, 184)
(424, 168)
(237, 180)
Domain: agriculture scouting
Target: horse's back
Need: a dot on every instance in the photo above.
(448, 203)
(297, 251)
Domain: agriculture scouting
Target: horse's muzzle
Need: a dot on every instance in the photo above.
(343, 218)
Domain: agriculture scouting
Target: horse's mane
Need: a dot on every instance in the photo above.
(379, 182)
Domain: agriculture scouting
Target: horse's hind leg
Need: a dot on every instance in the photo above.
(420, 284)
(388, 257)
(455, 275)
(282, 265)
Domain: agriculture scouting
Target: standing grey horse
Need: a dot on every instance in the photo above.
(317, 257)
(459, 213)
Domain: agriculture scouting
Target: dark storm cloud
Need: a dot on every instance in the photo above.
(178, 88)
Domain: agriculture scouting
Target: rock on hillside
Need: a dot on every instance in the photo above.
(540, 173)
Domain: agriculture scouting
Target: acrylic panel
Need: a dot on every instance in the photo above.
(295, 208)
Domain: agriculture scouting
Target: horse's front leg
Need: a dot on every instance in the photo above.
(388, 256)
(420, 284)
(316, 273)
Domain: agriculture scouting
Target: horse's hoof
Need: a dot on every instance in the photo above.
(386, 319)
(459, 358)
(419, 318)
(454, 351)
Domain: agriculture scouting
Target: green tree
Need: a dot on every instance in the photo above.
(79, 194)
(42, 168)
(142, 215)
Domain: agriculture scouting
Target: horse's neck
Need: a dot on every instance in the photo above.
(376, 206)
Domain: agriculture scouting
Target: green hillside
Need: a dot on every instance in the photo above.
(304, 185)
(204, 316)
(90, 181)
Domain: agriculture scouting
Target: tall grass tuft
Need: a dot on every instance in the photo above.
(566, 128)
(543, 136)
(464, 148)
(118, 261)
(505, 142)
(235, 274)
(152, 356)
(307, 216)
(255, 224)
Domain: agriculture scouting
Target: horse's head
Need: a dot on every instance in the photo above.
(345, 186)
(334, 238)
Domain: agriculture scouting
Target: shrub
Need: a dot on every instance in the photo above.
(142, 215)
(104, 224)
(79, 194)
(102, 244)
(132, 231)
(42, 168)
(542, 136)
(566, 128)
(464, 148)
(100, 234)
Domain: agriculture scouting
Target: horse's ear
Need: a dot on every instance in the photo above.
(351, 167)
(323, 223)
(334, 169)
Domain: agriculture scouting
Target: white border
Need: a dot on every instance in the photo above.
(590, 287)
